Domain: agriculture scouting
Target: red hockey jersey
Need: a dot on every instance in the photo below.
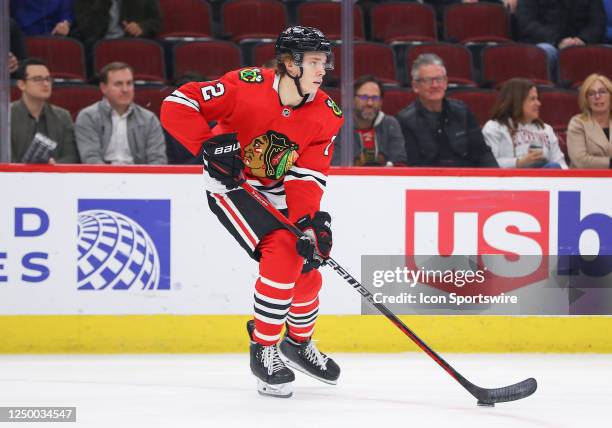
(286, 150)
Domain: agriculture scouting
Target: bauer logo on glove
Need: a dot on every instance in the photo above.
(222, 158)
(227, 149)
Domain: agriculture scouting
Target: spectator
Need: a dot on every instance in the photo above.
(440, 131)
(115, 130)
(43, 17)
(110, 19)
(515, 133)
(33, 114)
(588, 133)
(554, 25)
(17, 48)
(378, 139)
(608, 7)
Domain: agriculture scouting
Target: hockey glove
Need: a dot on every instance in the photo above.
(315, 245)
(222, 159)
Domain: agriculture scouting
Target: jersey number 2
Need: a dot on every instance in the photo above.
(208, 92)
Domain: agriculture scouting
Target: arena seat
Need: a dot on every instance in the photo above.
(395, 22)
(64, 56)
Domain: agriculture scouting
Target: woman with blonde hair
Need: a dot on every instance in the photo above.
(588, 133)
(517, 136)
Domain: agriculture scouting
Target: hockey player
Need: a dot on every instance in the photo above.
(276, 130)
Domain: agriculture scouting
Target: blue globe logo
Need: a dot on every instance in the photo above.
(115, 253)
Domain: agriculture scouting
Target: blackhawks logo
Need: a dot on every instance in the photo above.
(332, 105)
(270, 155)
(250, 75)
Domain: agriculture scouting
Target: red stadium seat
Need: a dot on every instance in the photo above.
(457, 60)
(479, 101)
(75, 98)
(245, 20)
(326, 16)
(577, 62)
(146, 57)
(368, 58)
(211, 59)
(403, 22)
(396, 99)
(558, 107)
(151, 97)
(15, 93)
(476, 22)
(503, 62)
(185, 19)
(64, 56)
(262, 53)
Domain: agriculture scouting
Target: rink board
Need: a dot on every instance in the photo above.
(50, 301)
(335, 333)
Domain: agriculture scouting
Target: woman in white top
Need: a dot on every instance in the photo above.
(515, 133)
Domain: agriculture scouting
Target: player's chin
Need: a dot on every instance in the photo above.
(315, 86)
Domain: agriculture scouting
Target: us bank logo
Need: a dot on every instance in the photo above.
(123, 244)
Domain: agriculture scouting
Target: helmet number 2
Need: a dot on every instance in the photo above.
(210, 91)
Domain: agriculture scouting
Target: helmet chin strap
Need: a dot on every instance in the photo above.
(296, 80)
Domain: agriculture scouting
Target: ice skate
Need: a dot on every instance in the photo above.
(273, 377)
(305, 357)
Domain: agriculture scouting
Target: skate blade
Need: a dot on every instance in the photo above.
(281, 390)
(291, 365)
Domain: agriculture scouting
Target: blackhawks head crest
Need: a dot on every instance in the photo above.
(270, 155)
(250, 75)
(332, 105)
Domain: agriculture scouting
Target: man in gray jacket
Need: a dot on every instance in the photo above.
(115, 130)
(33, 114)
(378, 139)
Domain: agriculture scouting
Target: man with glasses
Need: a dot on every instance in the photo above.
(32, 116)
(378, 139)
(440, 132)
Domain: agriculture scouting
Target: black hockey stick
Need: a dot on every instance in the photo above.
(485, 396)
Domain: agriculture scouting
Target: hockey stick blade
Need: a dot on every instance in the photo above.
(485, 396)
(490, 396)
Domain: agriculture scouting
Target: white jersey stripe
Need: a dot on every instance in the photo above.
(304, 324)
(305, 303)
(178, 100)
(272, 300)
(266, 337)
(179, 94)
(307, 171)
(275, 284)
(305, 313)
(307, 334)
(270, 310)
(307, 178)
(267, 320)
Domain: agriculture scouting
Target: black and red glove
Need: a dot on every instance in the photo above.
(316, 243)
(223, 160)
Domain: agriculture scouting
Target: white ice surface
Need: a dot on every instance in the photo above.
(375, 390)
